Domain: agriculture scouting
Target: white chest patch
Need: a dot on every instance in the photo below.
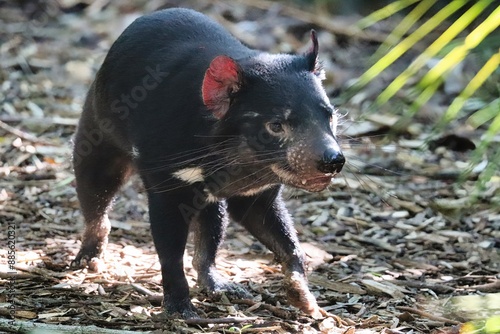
(190, 175)
(211, 198)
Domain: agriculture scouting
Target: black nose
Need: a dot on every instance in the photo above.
(332, 162)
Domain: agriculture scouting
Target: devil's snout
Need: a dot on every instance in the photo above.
(332, 162)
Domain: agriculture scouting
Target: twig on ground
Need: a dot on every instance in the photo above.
(438, 288)
(23, 135)
(204, 322)
(488, 287)
(142, 290)
(22, 327)
(427, 315)
(279, 312)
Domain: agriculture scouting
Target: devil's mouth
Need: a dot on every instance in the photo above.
(314, 183)
(321, 179)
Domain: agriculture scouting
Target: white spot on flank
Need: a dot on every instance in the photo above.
(190, 175)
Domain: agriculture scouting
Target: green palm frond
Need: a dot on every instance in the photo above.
(472, 29)
(402, 47)
(443, 40)
(476, 82)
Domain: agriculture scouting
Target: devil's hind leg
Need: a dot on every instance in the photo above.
(100, 170)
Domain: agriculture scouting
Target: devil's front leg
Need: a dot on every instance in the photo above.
(170, 227)
(209, 227)
(265, 216)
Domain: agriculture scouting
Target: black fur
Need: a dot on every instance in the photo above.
(267, 125)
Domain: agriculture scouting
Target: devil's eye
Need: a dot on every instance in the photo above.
(275, 127)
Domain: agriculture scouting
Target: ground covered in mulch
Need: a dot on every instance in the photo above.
(398, 244)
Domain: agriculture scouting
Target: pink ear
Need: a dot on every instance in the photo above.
(222, 78)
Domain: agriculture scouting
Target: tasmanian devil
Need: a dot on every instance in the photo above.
(214, 130)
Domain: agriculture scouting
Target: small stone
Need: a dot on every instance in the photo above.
(486, 244)
(400, 214)
(79, 70)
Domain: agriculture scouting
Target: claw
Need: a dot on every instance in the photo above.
(299, 295)
(213, 282)
(185, 309)
(232, 289)
(88, 259)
